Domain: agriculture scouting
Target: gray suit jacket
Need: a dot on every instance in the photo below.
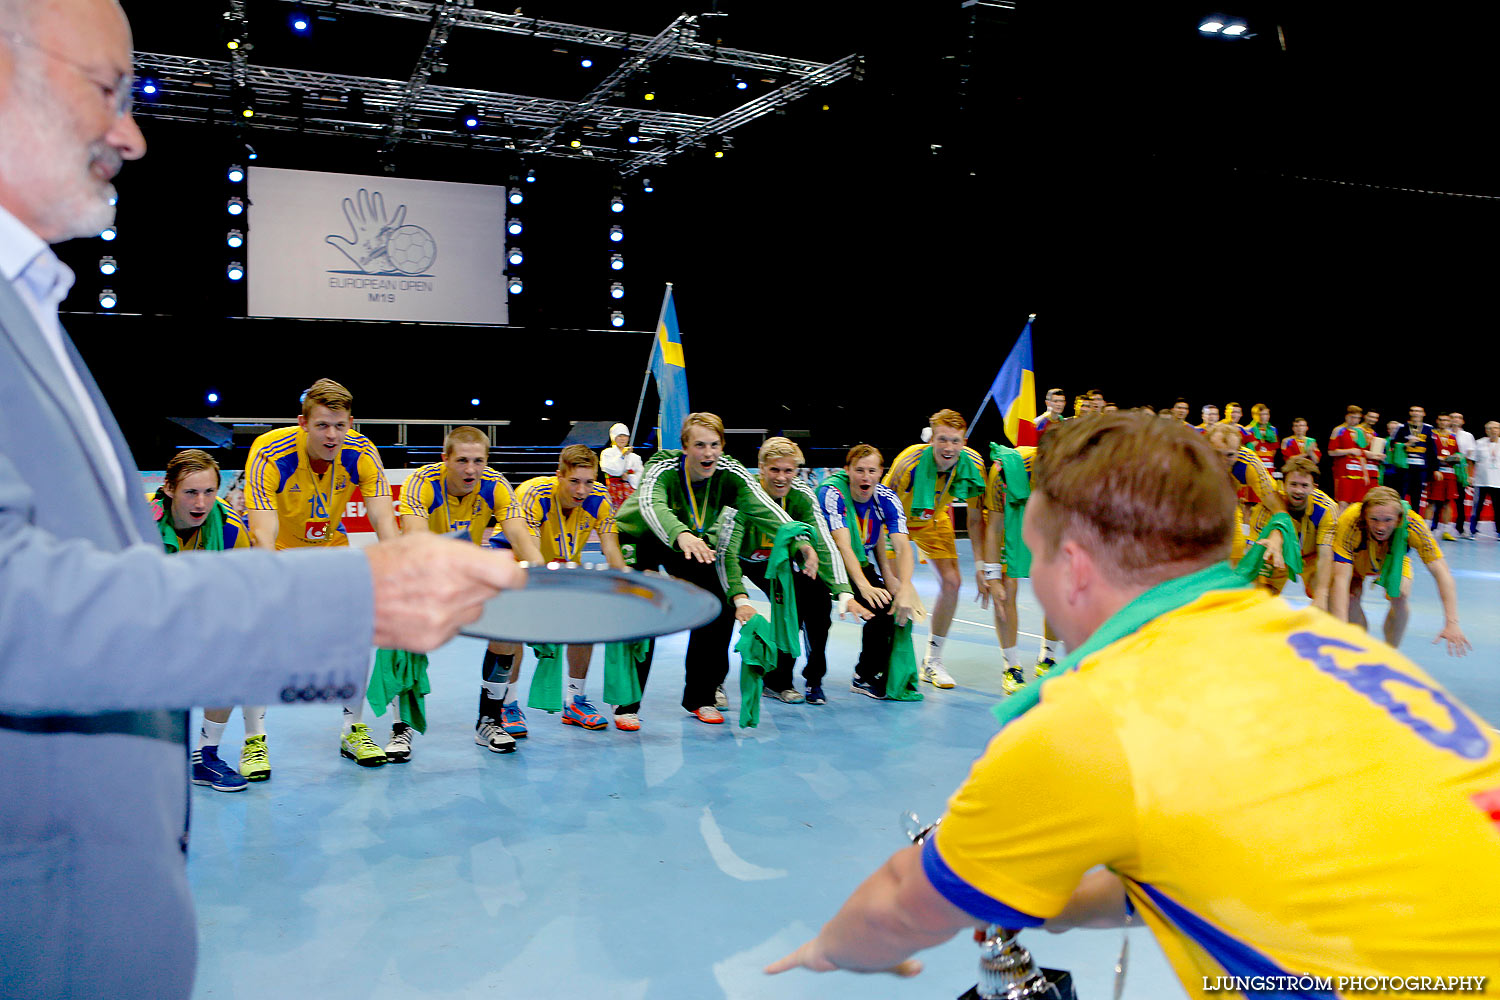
(104, 642)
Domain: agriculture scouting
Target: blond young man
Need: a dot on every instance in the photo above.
(929, 478)
(459, 494)
(299, 481)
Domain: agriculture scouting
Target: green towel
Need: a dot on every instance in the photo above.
(1265, 432)
(901, 674)
(622, 681)
(783, 588)
(1461, 470)
(757, 649)
(1017, 492)
(1389, 576)
(965, 481)
(400, 674)
(1291, 549)
(212, 529)
(840, 481)
(546, 680)
(1396, 454)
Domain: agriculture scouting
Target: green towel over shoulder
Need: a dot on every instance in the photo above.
(1017, 492)
(965, 481)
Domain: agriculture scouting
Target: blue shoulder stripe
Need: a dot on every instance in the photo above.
(964, 896)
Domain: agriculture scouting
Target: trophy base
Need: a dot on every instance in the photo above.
(1062, 981)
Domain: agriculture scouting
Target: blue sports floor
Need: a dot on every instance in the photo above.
(668, 864)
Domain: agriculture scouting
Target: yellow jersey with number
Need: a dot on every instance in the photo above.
(1281, 793)
(562, 534)
(425, 495)
(309, 505)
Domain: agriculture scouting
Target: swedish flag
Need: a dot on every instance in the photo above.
(670, 371)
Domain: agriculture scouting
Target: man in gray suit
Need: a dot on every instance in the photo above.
(102, 638)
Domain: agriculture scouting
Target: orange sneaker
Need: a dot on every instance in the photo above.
(628, 721)
(710, 715)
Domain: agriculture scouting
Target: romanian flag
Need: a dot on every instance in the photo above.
(1014, 391)
(671, 374)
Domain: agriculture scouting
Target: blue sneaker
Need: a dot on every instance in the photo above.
(867, 689)
(513, 720)
(209, 770)
(579, 712)
(815, 695)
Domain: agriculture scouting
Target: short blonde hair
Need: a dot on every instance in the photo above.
(1300, 464)
(1257, 409)
(948, 418)
(575, 455)
(779, 447)
(1379, 496)
(1228, 432)
(703, 419)
(859, 451)
(327, 392)
(465, 435)
(1143, 496)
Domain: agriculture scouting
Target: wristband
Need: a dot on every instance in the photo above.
(742, 602)
(994, 571)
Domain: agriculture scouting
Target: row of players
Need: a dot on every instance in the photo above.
(701, 516)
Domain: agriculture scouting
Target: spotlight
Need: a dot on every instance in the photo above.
(212, 398)
(586, 63)
(468, 117)
(1234, 29)
(1209, 27)
(244, 102)
(234, 239)
(232, 45)
(149, 87)
(107, 265)
(474, 401)
(546, 402)
(616, 234)
(647, 186)
(631, 131)
(649, 95)
(514, 227)
(617, 319)
(616, 290)
(740, 84)
(530, 178)
(617, 204)
(107, 299)
(515, 287)
(236, 174)
(616, 262)
(516, 197)
(250, 153)
(515, 256)
(717, 146)
(235, 271)
(108, 234)
(300, 23)
(236, 206)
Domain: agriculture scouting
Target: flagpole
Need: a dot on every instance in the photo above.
(646, 380)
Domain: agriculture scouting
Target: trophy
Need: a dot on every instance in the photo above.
(1006, 969)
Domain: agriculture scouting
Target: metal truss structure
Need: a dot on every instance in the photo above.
(417, 111)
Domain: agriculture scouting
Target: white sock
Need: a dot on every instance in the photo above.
(935, 646)
(575, 687)
(1011, 659)
(498, 690)
(354, 713)
(396, 711)
(255, 720)
(210, 734)
(1047, 650)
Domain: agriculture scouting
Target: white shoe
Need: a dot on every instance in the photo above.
(398, 750)
(721, 700)
(489, 734)
(934, 674)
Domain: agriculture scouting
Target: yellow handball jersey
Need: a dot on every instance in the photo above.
(562, 534)
(1352, 544)
(309, 505)
(236, 532)
(1281, 793)
(1314, 524)
(424, 494)
(995, 487)
(899, 478)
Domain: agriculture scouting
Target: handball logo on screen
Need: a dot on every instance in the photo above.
(387, 252)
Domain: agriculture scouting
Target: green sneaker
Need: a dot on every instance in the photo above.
(255, 763)
(1044, 667)
(358, 747)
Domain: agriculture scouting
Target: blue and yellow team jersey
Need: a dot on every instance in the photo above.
(882, 513)
(1281, 794)
(1315, 525)
(236, 532)
(561, 534)
(1249, 472)
(425, 495)
(1352, 544)
(899, 478)
(310, 505)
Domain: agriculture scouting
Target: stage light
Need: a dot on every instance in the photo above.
(236, 206)
(617, 319)
(616, 234)
(107, 265)
(515, 256)
(575, 143)
(474, 401)
(616, 262)
(250, 153)
(148, 87)
(650, 94)
(107, 299)
(232, 45)
(586, 63)
(740, 84)
(235, 271)
(647, 186)
(1211, 26)
(617, 291)
(108, 234)
(236, 174)
(631, 131)
(617, 204)
(546, 402)
(234, 239)
(718, 154)
(514, 227)
(530, 177)
(300, 22)
(516, 287)
(212, 398)
(468, 116)
(516, 197)
(1234, 29)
